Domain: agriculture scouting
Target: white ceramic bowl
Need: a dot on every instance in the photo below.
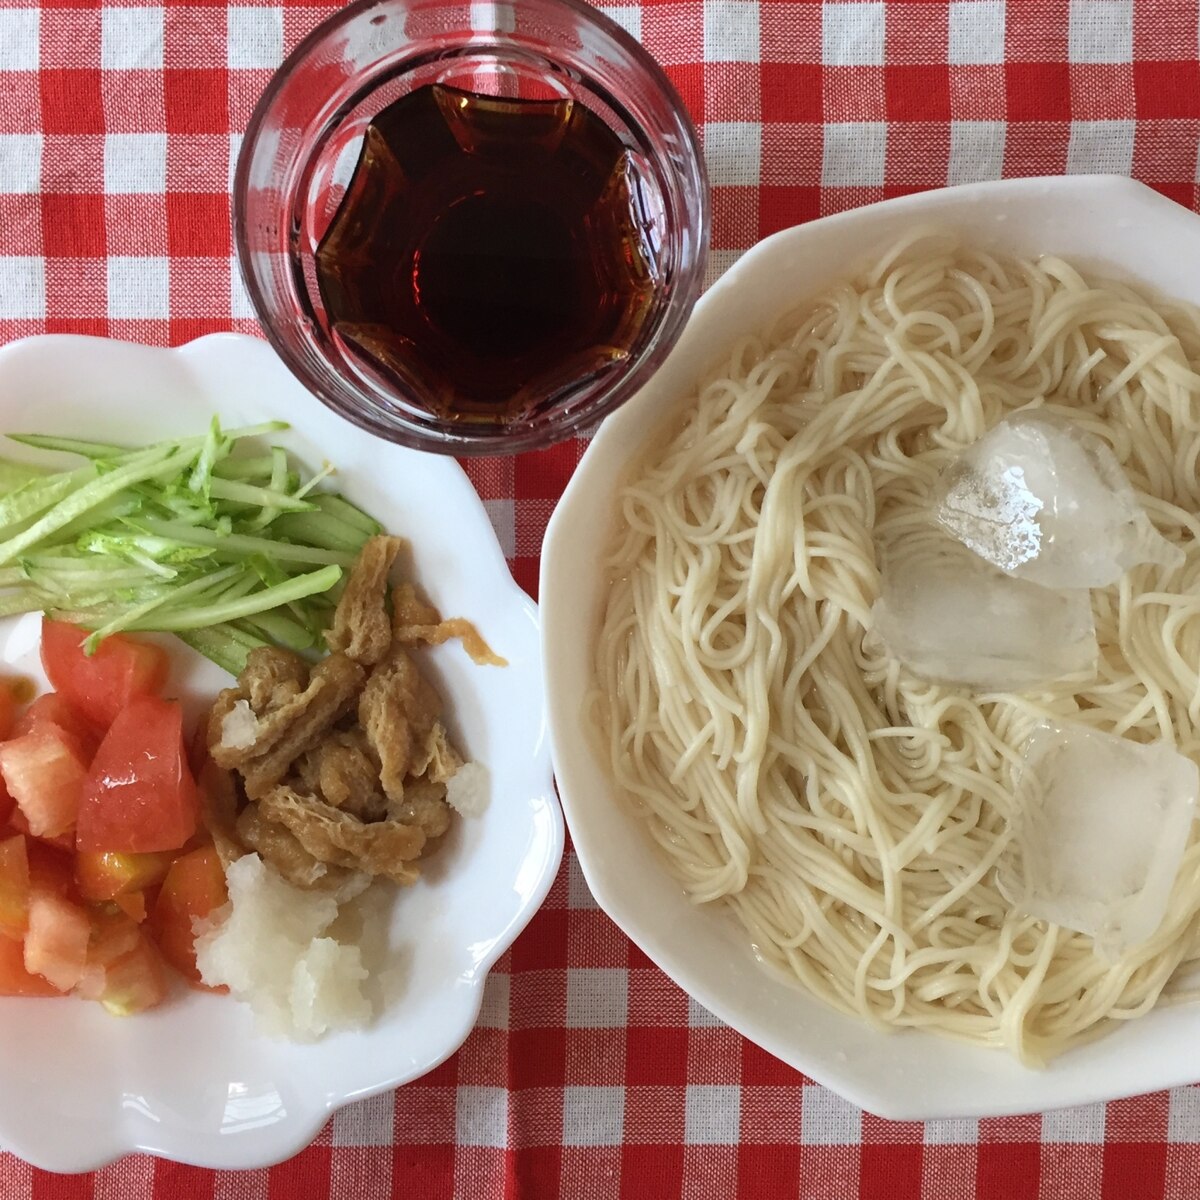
(1113, 225)
(193, 1080)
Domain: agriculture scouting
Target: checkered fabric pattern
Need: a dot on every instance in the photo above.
(590, 1076)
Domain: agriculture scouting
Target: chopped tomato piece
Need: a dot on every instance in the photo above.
(8, 709)
(50, 869)
(56, 945)
(132, 904)
(193, 889)
(8, 805)
(15, 980)
(44, 771)
(139, 796)
(124, 971)
(135, 982)
(103, 874)
(198, 749)
(101, 685)
(53, 709)
(14, 887)
(61, 841)
(113, 934)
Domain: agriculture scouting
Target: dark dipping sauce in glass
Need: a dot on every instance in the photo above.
(488, 253)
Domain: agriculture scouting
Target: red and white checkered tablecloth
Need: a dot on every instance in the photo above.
(590, 1076)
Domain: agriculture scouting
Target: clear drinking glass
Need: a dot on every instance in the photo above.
(303, 142)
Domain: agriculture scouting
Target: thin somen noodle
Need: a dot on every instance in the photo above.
(850, 814)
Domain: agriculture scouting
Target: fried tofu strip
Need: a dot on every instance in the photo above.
(332, 836)
(278, 846)
(338, 772)
(272, 691)
(397, 710)
(424, 805)
(342, 771)
(416, 623)
(282, 733)
(361, 628)
(219, 810)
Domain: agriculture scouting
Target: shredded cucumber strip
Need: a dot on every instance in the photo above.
(229, 550)
(225, 645)
(14, 474)
(198, 617)
(338, 506)
(258, 497)
(86, 449)
(80, 501)
(185, 591)
(242, 545)
(30, 600)
(40, 494)
(44, 441)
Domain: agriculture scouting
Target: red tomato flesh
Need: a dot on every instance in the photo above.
(56, 944)
(105, 874)
(139, 796)
(95, 780)
(44, 771)
(14, 979)
(132, 904)
(101, 685)
(135, 981)
(52, 709)
(8, 709)
(14, 887)
(8, 806)
(193, 889)
(61, 841)
(123, 971)
(50, 869)
(113, 934)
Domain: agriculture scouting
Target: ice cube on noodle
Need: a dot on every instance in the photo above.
(952, 618)
(1047, 501)
(1100, 827)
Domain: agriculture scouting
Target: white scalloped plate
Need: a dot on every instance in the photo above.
(1110, 224)
(193, 1081)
